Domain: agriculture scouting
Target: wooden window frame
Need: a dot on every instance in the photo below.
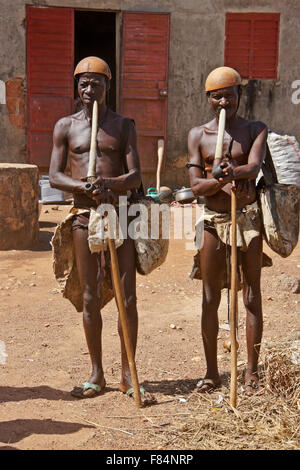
(252, 18)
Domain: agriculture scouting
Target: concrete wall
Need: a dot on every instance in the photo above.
(196, 47)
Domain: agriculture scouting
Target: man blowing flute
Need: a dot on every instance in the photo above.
(116, 151)
(244, 150)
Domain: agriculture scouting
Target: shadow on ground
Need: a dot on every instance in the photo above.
(178, 387)
(17, 429)
(16, 394)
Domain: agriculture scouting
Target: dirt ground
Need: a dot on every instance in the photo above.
(47, 354)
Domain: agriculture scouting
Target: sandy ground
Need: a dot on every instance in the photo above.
(47, 353)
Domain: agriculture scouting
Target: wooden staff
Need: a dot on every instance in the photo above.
(124, 322)
(115, 266)
(91, 176)
(220, 138)
(233, 301)
(218, 173)
(160, 153)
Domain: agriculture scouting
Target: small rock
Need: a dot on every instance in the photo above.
(225, 326)
(227, 345)
(196, 358)
(173, 326)
(288, 283)
(32, 284)
(54, 291)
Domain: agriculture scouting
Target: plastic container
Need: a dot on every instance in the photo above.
(152, 192)
(49, 195)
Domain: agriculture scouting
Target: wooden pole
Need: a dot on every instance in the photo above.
(160, 153)
(220, 138)
(233, 283)
(91, 176)
(124, 322)
(233, 301)
(115, 266)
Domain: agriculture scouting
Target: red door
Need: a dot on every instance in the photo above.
(50, 85)
(144, 81)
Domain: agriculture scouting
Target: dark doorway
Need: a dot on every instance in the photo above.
(95, 35)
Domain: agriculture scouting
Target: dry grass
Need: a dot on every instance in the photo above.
(267, 420)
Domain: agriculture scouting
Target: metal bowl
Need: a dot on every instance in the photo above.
(184, 196)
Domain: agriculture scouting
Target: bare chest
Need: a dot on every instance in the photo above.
(107, 142)
(109, 150)
(235, 148)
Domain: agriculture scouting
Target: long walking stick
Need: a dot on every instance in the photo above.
(160, 152)
(114, 264)
(218, 173)
(124, 322)
(220, 138)
(233, 301)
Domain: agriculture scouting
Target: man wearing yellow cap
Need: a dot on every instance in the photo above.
(243, 152)
(118, 172)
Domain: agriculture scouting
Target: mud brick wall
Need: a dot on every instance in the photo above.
(19, 206)
(15, 102)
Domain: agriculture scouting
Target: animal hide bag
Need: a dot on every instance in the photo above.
(151, 237)
(279, 205)
(65, 268)
(280, 213)
(150, 232)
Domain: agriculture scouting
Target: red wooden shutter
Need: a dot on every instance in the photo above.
(145, 80)
(238, 44)
(50, 85)
(251, 44)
